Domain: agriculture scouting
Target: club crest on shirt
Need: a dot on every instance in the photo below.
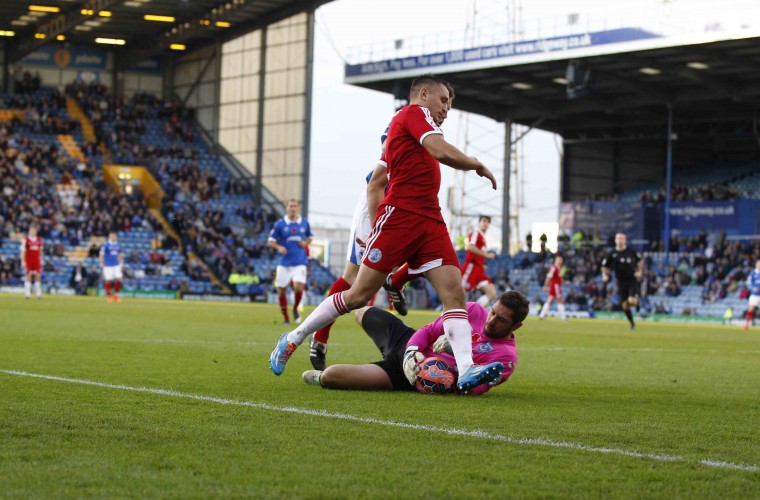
(486, 347)
(374, 255)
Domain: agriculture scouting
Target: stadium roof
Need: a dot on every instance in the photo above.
(192, 23)
(709, 83)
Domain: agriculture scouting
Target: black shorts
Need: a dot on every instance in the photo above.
(628, 288)
(390, 335)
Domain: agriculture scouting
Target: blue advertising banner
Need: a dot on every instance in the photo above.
(692, 217)
(554, 44)
(61, 57)
(646, 221)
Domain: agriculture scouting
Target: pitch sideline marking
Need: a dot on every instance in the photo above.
(404, 425)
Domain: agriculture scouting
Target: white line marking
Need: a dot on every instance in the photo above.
(404, 425)
(636, 349)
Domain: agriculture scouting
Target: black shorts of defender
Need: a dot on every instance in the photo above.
(390, 335)
(628, 288)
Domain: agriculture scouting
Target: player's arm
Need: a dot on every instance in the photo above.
(101, 256)
(639, 267)
(449, 155)
(473, 248)
(376, 190)
(309, 236)
(23, 254)
(420, 342)
(606, 269)
(272, 243)
(427, 335)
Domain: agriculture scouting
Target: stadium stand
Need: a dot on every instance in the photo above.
(47, 181)
(52, 161)
(210, 208)
(705, 276)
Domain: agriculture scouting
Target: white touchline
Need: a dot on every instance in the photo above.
(430, 428)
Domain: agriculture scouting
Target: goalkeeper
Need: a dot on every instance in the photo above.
(403, 349)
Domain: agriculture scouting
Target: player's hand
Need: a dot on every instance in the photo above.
(412, 358)
(605, 278)
(442, 345)
(361, 242)
(490, 255)
(282, 250)
(637, 275)
(483, 171)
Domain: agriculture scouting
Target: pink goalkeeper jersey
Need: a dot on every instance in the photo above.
(484, 349)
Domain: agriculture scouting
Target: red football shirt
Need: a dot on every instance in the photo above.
(415, 176)
(479, 240)
(33, 249)
(553, 275)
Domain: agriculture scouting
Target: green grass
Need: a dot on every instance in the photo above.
(689, 392)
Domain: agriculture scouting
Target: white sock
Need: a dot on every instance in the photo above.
(38, 288)
(328, 311)
(27, 288)
(484, 301)
(457, 328)
(562, 314)
(544, 308)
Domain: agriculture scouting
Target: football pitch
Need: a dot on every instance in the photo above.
(175, 399)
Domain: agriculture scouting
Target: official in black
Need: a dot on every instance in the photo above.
(627, 266)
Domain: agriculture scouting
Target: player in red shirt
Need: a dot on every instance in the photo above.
(364, 220)
(31, 262)
(553, 285)
(410, 228)
(473, 270)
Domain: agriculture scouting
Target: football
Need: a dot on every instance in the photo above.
(435, 377)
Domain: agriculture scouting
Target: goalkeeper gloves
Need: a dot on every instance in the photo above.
(412, 357)
(442, 345)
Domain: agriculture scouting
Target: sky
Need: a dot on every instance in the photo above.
(347, 121)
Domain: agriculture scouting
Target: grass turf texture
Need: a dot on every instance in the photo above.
(690, 392)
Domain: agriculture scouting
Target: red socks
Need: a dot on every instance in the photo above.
(400, 277)
(296, 301)
(284, 306)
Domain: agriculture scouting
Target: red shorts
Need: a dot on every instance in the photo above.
(555, 290)
(400, 236)
(33, 266)
(473, 276)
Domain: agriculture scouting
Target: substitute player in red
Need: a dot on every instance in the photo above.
(553, 285)
(410, 228)
(31, 261)
(474, 268)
